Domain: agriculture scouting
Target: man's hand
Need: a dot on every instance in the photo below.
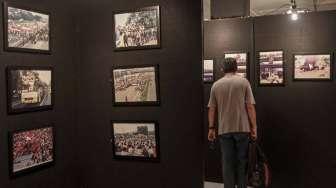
(254, 135)
(211, 135)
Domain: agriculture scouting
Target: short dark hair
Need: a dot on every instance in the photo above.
(230, 65)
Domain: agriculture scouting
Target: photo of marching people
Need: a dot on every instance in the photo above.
(138, 29)
(208, 71)
(29, 89)
(135, 85)
(312, 67)
(27, 30)
(31, 148)
(135, 140)
(241, 59)
(271, 68)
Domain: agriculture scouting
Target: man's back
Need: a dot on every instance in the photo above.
(230, 95)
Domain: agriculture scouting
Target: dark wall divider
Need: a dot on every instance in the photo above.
(63, 116)
(296, 122)
(179, 114)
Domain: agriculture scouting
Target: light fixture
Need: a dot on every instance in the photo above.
(294, 16)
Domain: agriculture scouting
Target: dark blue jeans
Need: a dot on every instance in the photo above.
(234, 148)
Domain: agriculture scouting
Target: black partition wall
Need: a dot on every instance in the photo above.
(295, 122)
(63, 116)
(82, 57)
(179, 114)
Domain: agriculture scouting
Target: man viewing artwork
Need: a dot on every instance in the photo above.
(232, 98)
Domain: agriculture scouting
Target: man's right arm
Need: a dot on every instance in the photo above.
(253, 119)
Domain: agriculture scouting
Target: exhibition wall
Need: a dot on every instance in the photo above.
(179, 114)
(62, 116)
(295, 120)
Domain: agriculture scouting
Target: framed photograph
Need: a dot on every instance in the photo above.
(135, 140)
(26, 30)
(29, 89)
(242, 62)
(313, 66)
(136, 85)
(137, 29)
(271, 68)
(208, 71)
(31, 150)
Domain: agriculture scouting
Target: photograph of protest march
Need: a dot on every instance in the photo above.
(208, 71)
(29, 89)
(135, 140)
(31, 149)
(312, 67)
(136, 85)
(26, 30)
(137, 29)
(242, 60)
(271, 68)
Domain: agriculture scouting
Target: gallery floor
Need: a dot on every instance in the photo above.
(213, 185)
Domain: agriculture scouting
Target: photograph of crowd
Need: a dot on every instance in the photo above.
(29, 89)
(316, 67)
(31, 148)
(27, 30)
(135, 140)
(241, 59)
(138, 29)
(271, 68)
(208, 71)
(135, 85)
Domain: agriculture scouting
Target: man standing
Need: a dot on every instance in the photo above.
(233, 99)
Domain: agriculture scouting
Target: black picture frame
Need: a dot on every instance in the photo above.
(5, 29)
(247, 60)
(31, 169)
(315, 79)
(158, 34)
(283, 68)
(9, 79)
(213, 72)
(137, 158)
(137, 103)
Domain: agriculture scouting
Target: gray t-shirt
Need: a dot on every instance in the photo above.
(230, 95)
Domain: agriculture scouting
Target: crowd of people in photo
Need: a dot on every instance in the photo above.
(133, 144)
(138, 32)
(20, 34)
(33, 147)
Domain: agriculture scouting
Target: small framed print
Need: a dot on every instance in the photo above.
(136, 85)
(271, 68)
(31, 149)
(26, 29)
(29, 89)
(242, 62)
(208, 71)
(137, 29)
(313, 66)
(135, 140)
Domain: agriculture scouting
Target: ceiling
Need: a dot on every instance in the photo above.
(269, 7)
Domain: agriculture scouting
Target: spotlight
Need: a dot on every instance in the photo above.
(294, 16)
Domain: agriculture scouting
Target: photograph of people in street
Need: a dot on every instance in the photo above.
(30, 89)
(32, 148)
(27, 29)
(135, 85)
(313, 67)
(208, 71)
(271, 68)
(135, 140)
(241, 59)
(137, 29)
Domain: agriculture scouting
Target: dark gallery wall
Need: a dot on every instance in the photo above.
(296, 122)
(179, 114)
(63, 174)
